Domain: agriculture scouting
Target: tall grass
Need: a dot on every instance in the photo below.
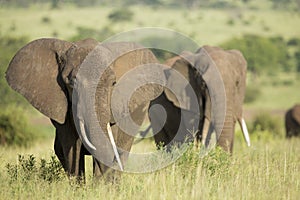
(264, 171)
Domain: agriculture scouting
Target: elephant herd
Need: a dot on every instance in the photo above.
(201, 94)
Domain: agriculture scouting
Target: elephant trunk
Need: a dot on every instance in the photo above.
(227, 136)
(216, 89)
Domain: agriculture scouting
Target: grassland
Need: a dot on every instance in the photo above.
(205, 26)
(270, 169)
(267, 170)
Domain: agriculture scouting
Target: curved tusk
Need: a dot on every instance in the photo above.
(245, 131)
(112, 141)
(84, 136)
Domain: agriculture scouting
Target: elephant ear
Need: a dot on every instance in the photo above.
(33, 72)
(131, 56)
(178, 86)
(296, 113)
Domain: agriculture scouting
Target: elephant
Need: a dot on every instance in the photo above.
(292, 121)
(198, 125)
(46, 71)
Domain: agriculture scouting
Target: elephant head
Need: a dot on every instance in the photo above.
(218, 81)
(46, 73)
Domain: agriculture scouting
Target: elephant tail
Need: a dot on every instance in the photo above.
(244, 130)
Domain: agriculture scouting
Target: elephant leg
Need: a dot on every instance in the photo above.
(205, 131)
(69, 150)
(164, 130)
(290, 125)
(101, 171)
(59, 151)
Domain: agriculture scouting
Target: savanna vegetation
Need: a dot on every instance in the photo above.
(268, 34)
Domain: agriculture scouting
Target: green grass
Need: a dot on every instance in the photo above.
(264, 171)
(277, 92)
(205, 26)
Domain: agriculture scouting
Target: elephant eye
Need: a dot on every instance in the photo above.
(72, 82)
(114, 83)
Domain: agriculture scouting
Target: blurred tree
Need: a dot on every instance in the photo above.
(297, 57)
(8, 47)
(262, 54)
(54, 4)
(122, 14)
(99, 35)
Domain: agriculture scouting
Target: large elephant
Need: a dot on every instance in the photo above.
(45, 72)
(292, 121)
(198, 70)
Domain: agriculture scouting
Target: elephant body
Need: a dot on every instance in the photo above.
(45, 72)
(232, 68)
(292, 121)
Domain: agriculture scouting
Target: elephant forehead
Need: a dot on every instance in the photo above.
(132, 59)
(75, 56)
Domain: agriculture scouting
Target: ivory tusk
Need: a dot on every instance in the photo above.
(112, 141)
(84, 136)
(245, 131)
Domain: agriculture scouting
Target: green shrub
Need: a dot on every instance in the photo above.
(166, 44)
(8, 47)
(252, 93)
(294, 42)
(264, 122)
(231, 22)
(14, 128)
(27, 169)
(297, 58)
(119, 15)
(46, 20)
(100, 35)
(262, 54)
(216, 162)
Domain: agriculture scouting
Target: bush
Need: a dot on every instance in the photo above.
(262, 54)
(252, 93)
(27, 170)
(294, 42)
(264, 122)
(231, 22)
(100, 35)
(122, 14)
(46, 20)
(156, 42)
(8, 47)
(297, 58)
(216, 162)
(14, 129)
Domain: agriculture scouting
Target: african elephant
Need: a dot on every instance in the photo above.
(45, 72)
(292, 121)
(198, 70)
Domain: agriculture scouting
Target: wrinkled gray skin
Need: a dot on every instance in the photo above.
(44, 70)
(232, 67)
(292, 122)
